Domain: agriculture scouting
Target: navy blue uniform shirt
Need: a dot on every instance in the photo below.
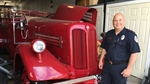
(120, 47)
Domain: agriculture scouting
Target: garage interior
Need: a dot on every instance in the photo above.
(50, 6)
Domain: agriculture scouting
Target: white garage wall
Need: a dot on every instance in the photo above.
(99, 22)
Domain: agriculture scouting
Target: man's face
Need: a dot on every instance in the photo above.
(118, 21)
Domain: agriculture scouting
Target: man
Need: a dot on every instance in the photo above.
(120, 49)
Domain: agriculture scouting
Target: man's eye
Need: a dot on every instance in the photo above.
(120, 20)
(115, 20)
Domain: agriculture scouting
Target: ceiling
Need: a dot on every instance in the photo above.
(9, 2)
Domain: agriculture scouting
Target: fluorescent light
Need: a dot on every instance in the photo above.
(6, 4)
(6, 1)
(70, 6)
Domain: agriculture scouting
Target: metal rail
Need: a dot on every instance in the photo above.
(77, 80)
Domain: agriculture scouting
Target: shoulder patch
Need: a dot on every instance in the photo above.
(136, 39)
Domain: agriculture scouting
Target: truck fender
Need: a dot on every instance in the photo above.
(49, 68)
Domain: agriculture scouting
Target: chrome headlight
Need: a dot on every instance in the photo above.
(38, 46)
(14, 9)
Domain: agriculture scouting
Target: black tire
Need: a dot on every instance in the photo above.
(3, 78)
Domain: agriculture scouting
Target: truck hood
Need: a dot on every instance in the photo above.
(71, 12)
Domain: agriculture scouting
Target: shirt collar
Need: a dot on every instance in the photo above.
(124, 31)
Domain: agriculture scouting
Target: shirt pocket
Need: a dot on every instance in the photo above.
(121, 44)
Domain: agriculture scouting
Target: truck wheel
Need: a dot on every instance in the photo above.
(3, 78)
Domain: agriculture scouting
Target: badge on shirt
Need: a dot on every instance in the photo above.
(122, 37)
(135, 39)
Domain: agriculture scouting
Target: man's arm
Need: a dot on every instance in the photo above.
(101, 58)
(126, 72)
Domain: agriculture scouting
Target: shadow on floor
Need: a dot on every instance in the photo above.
(134, 80)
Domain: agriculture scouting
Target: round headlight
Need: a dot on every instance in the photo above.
(14, 9)
(38, 46)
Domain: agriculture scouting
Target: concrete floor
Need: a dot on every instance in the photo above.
(134, 80)
(131, 80)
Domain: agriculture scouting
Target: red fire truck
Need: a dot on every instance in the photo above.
(54, 49)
